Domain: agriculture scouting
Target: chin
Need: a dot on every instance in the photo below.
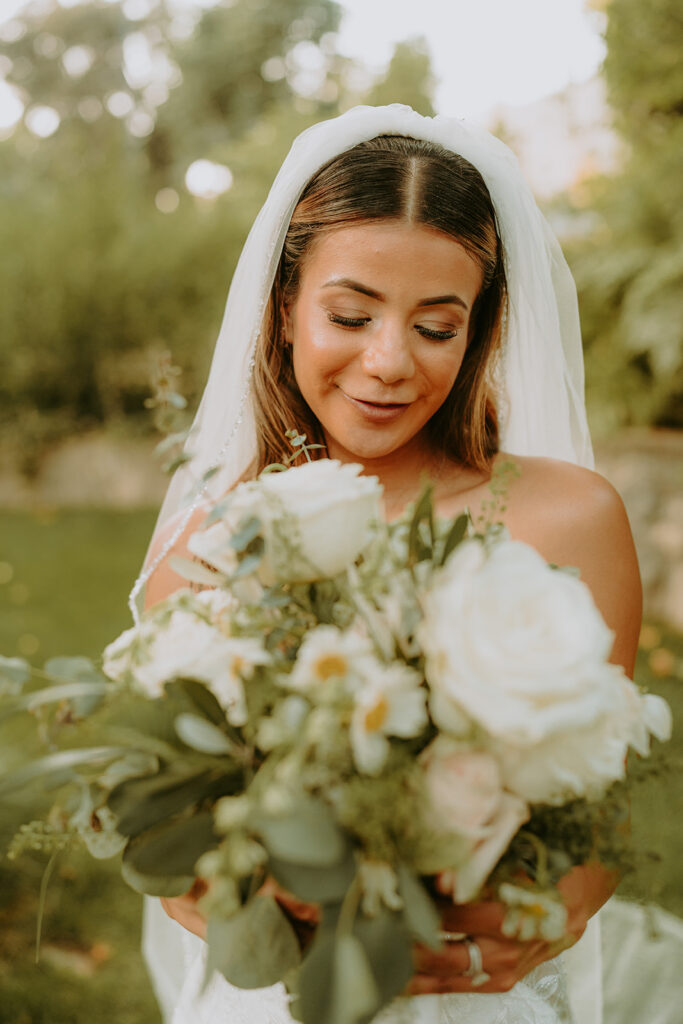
(366, 449)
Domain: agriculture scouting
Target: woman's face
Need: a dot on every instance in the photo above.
(379, 329)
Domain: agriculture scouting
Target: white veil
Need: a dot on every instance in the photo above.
(542, 409)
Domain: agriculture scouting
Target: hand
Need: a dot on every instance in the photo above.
(185, 910)
(303, 917)
(584, 890)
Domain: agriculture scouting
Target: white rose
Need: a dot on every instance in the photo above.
(466, 796)
(213, 546)
(329, 508)
(512, 643)
(585, 762)
(180, 640)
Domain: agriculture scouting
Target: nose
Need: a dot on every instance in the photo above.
(388, 355)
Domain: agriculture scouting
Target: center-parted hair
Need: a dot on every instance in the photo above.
(390, 177)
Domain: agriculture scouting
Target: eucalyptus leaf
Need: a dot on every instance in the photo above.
(176, 400)
(136, 763)
(66, 691)
(14, 672)
(201, 735)
(217, 513)
(172, 847)
(194, 572)
(254, 948)
(388, 946)
(336, 982)
(155, 885)
(315, 884)
(169, 442)
(355, 995)
(141, 803)
(308, 835)
(197, 697)
(275, 598)
(316, 980)
(455, 535)
(249, 529)
(46, 767)
(419, 912)
(418, 550)
(173, 464)
(77, 670)
(247, 566)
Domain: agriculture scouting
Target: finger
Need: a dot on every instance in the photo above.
(186, 914)
(472, 918)
(199, 888)
(306, 912)
(451, 959)
(454, 958)
(426, 984)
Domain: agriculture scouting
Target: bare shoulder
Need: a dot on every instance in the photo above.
(174, 535)
(573, 516)
(556, 502)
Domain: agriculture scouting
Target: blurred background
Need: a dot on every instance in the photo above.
(138, 139)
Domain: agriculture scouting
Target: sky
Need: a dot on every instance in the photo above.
(484, 52)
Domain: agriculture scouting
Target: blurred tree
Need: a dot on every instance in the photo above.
(243, 60)
(630, 270)
(105, 256)
(93, 274)
(178, 86)
(409, 78)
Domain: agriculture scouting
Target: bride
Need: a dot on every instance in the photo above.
(401, 300)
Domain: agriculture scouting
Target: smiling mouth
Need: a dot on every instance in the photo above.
(382, 405)
(378, 411)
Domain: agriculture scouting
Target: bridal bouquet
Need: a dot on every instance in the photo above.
(370, 714)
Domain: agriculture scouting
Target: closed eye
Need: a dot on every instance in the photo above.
(427, 332)
(348, 321)
(361, 321)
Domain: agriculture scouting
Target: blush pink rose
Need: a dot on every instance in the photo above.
(466, 797)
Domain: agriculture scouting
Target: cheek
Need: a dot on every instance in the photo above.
(443, 368)
(317, 355)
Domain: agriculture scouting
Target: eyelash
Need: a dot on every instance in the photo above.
(427, 332)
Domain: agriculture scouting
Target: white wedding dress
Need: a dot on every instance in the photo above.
(177, 962)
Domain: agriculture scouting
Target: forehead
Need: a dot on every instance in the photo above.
(379, 253)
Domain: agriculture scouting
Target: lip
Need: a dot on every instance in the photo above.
(378, 412)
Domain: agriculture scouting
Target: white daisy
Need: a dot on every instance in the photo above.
(531, 914)
(327, 653)
(391, 703)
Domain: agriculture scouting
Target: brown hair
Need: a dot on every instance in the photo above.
(400, 178)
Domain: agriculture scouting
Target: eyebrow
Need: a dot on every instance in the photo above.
(437, 300)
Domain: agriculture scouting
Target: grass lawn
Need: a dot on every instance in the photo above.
(64, 579)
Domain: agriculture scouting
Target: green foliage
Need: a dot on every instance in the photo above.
(96, 281)
(629, 270)
(408, 79)
(236, 944)
(643, 65)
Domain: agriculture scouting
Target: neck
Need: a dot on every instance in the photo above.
(401, 473)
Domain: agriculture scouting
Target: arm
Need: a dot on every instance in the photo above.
(572, 517)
